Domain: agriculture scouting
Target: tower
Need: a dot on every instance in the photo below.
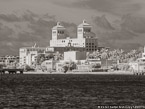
(58, 32)
(83, 30)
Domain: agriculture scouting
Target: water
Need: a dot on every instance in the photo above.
(70, 91)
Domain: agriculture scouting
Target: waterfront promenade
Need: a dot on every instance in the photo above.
(70, 72)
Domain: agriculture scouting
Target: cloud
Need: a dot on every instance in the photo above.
(71, 29)
(24, 30)
(134, 23)
(103, 23)
(28, 30)
(26, 16)
(113, 37)
(9, 18)
(5, 33)
(117, 7)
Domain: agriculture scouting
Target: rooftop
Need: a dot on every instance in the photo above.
(58, 26)
(84, 24)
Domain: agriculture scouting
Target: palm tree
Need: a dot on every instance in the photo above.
(87, 55)
(40, 58)
(96, 54)
(58, 56)
(105, 56)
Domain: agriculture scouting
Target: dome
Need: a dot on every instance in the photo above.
(84, 24)
(58, 26)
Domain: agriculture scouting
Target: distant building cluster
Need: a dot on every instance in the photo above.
(85, 41)
(8, 59)
(28, 54)
(139, 65)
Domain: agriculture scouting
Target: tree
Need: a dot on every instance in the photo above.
(87, 55)
(49, 56)
(2, 65)
(72, 65)
(58, 56)
(96, 54)
(40, 58)
(104, 55)
(65, 68)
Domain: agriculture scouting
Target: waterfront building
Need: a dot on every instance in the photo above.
(8, 59)
(85, 41)
(49, 65)
(59, 67)
(63, 49)
(28, 55)
(74, 56)
(139, 65)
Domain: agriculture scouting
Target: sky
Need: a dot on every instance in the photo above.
(116, 23)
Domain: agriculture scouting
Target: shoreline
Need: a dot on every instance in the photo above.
(99, 73)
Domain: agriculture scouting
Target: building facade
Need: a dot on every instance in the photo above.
(8, 59)
(139, 65)
(74, 56)
(28, 54)
(85, 39)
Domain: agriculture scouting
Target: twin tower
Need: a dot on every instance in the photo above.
(85, 39)
(83, 31)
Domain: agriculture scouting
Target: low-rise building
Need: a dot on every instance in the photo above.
(59, 67)
(74, 48)
(74, 55)
(49, 65)
(139, 65)
(84, 68)
(64, 49)
(9, 59)
(28, 54)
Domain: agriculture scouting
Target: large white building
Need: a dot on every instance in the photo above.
(85, 39)
(74, 56)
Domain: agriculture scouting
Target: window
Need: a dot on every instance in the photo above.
(87, 30)
(80, 30)
(61, 32)
(54, 32)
